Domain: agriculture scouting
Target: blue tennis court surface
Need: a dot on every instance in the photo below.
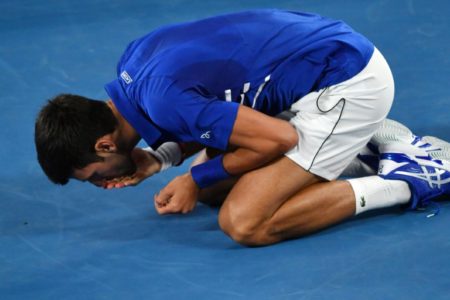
(81, 242)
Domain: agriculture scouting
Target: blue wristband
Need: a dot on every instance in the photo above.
(210, 172)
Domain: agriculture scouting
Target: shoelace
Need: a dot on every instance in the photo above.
(436, 208)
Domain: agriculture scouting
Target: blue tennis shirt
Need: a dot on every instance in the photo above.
(185, 82)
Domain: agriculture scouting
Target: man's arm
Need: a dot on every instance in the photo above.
(259, 139)
(148, 163)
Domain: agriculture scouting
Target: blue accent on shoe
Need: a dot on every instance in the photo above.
(423, 157)
(416, 140)
(399, 157)
(425, 182)
(425, 145)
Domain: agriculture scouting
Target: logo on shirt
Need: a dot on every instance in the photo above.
(206, 135)
(126, 77)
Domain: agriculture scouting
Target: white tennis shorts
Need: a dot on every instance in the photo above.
(336, 122)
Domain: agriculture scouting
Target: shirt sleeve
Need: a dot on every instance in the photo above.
(187, 112)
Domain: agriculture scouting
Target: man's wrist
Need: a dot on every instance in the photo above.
(158, 163)
(209, 172)
(168, 154)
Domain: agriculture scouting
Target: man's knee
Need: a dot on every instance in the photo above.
(245, 230)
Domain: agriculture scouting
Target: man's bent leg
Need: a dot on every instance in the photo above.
(283, 201)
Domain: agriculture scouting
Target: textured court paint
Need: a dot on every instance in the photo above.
(82, 242)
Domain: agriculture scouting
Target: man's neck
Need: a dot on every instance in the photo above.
(125, 133)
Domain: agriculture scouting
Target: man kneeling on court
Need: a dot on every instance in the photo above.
(216, 84)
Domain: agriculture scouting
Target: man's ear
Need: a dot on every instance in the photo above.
(105, 145)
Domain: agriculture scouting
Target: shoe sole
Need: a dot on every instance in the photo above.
(392, 131)
(444, 148)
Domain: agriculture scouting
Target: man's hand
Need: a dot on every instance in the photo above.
(146, 166)
(179, 196)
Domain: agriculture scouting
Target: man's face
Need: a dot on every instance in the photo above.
(114, 165)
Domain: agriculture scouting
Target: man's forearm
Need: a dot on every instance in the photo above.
(258, 139)
(243, 160)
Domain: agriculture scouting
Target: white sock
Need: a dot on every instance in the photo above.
(374, 192)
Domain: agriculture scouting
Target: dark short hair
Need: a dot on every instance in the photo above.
(66, 131)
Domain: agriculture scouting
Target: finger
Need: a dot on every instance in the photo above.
(111, 185)
(119, 185)
(163, 197)
(171, 207)
(159, 204)
(132, 181)
(161, 201)
(164, 209)
(157, 207)
(119, 182)
(155, 196)
(167, 209)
